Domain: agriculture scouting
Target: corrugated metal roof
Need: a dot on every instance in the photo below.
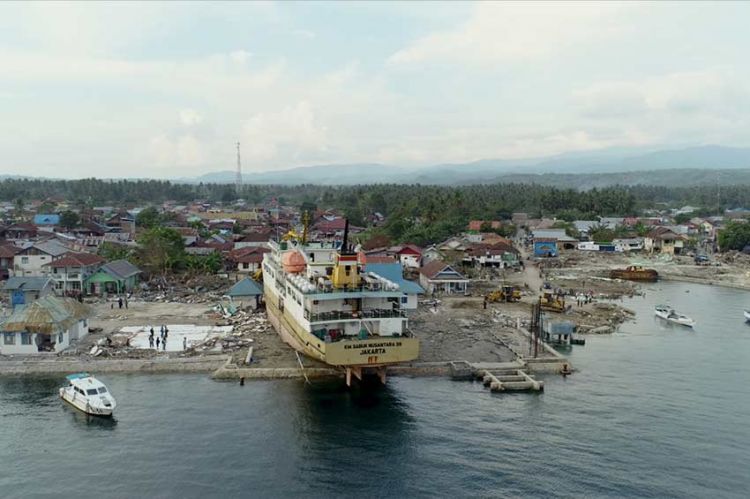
(245, 287)
(120, 269)
(48, 314)
(27, 283)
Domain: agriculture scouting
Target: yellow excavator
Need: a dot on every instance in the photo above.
(552, 302)
(507, 294)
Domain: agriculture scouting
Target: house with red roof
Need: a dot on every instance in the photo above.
(476, 225)
(21, 231)
(71, 270)
(437, 277)
(7, 253)
(500, 254)
(410, 255)
(247, 259)
(333, 227)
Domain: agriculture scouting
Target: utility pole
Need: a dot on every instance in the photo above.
(238, 178)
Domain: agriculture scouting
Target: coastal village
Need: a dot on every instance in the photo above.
(100, 284)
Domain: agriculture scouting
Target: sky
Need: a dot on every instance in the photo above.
(166, 89)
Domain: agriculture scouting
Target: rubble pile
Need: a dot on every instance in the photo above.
(735, 258)
(249, 329)
(605, 318)
(505, 320)
(184, 289)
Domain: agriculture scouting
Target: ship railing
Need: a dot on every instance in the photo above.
(376, 313)
(327, 288)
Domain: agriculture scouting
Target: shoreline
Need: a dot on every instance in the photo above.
(221, 369)
(704, 281)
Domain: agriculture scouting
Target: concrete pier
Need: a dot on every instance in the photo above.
(510, 380)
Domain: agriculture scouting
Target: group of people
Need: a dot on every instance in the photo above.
(584, 298)
(161, 340)
(121, 300)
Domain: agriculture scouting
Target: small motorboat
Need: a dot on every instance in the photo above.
(747, 315)
(669, 314)
(88, 394)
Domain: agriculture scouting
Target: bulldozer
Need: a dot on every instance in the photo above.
(552, 302)
(507, 294)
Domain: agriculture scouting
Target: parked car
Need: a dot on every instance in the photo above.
(702, 260)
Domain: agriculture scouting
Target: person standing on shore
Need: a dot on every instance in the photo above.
(166, 332)
(119, 302)
(157, 343)
(151, 341)
(184, 342)
(164, 344)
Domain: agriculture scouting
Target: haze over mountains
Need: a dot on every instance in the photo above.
(706, 164)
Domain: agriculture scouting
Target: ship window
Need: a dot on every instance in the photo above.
(102, 390)
(25, 338)
(9, 338)
(91, 391)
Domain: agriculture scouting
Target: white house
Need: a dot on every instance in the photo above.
(71, 271)
(48, 325)
(439, 277)
(31, 260)
(409, 255)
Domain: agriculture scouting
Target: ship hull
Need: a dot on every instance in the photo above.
(371, 352)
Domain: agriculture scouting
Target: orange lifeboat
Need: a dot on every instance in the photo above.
(293, 262)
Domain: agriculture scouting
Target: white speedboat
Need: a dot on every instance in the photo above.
(747, 315)
(88, 394)
(669, 314)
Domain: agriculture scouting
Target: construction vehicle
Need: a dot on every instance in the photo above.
(507, 294)
(551, 302)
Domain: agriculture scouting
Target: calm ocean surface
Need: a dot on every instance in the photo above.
(654, 411)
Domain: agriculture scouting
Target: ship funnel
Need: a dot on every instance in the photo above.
(345, 242)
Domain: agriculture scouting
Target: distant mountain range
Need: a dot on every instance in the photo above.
(615, 166)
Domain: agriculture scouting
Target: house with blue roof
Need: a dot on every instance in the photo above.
(246, 293)
(47, 219)
(395, 272)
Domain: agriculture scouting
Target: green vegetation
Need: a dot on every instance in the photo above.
(69, 219)
(735, 236)
(110, 252)
(161, 250)
(415, 213)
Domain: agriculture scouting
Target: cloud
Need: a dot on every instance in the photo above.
(181, 152)
(287, 135)
(189, 117)
(513, 32)
(711, 91)
(701, 106)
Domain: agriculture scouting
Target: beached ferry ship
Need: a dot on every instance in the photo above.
(324, 303)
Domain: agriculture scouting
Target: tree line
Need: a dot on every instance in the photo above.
(417, 213)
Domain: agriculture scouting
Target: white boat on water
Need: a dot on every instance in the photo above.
(88, 394)
(747, 315)
(669, 314)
